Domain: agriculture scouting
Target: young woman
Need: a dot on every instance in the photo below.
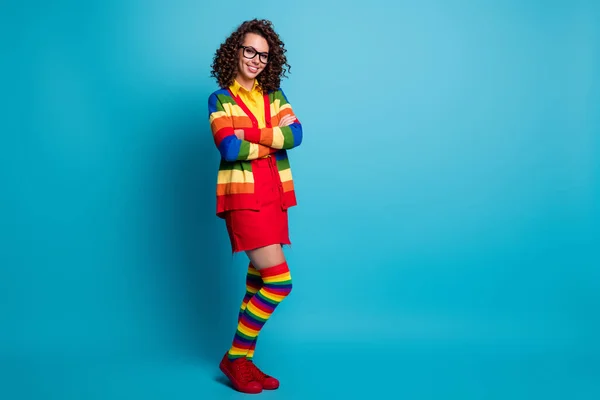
(253, 126)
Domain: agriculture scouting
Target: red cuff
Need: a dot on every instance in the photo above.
(252, 135)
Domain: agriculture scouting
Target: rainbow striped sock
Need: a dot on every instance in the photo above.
(277, 284)
(254, 283)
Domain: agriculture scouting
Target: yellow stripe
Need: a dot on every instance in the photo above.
(233, 110)
(275, 297)
(277, 138)
(217, 114)
(236, 351)
(257, 311)
(285, 175)
(286, 276)
(247, 331)
(235, 176)
(253, 152)
(285, 107)
(275, 107)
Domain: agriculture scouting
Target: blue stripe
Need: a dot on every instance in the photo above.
(212, 104)
(297, 133)
(230, 148)
(279, 287)
(213, 99)
(243, 340)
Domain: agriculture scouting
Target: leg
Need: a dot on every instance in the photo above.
(253, 284)
(267, 256)
(277, 284)
(261, 258)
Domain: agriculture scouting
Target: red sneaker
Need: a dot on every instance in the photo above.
(267, 382)
(239, 372)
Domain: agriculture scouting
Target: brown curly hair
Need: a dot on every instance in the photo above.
(225, 61)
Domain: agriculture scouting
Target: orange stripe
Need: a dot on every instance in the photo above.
(288, 186)
(234, 188)
(263, 151)
(219, 124)
(284, 112)
(267, 136)
(241, 122)
(230, 122)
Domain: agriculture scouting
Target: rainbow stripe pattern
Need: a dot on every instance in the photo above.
(235, 180)
(254, 283)
(277, 285)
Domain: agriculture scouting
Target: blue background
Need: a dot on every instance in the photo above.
(446, 242)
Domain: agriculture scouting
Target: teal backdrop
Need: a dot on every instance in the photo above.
(446, 244)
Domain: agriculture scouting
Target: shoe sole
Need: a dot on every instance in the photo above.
(228, 375)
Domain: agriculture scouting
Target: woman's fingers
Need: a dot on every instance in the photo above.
(287, 120)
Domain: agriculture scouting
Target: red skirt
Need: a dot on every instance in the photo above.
(251, 229)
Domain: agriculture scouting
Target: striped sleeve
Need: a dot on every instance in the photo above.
(285, 137)
(230, 147)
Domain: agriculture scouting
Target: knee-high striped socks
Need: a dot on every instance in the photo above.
(265, 289)
(253, 284)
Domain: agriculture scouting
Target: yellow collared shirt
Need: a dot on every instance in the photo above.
(253, 99)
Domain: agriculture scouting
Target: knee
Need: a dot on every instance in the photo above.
(289, 287)
(286, 285)
(278, 280)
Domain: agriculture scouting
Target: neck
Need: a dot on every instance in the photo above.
(247, 84)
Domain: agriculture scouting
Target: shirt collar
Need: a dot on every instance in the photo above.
(236, 87)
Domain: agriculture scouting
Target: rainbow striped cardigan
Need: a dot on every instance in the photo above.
(235, 180)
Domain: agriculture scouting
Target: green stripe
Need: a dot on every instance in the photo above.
(263, 298)
(288, 137)
(241, 334)
(244, 150)
(237, 165)
(278, 283)
(223, 99)
(258, 318)
(279, 95)
(283, 164)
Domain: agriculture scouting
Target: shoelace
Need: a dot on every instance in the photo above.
(245, 372)
(258, 374)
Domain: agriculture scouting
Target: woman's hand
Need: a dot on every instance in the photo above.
(287, 120)
(239, 133)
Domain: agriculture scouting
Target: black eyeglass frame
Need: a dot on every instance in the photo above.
(260, 54)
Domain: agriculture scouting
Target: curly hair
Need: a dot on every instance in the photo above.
(225, 61)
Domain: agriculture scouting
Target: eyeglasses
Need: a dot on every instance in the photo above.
(250, 53)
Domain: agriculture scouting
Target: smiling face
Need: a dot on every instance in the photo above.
(250, 68)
